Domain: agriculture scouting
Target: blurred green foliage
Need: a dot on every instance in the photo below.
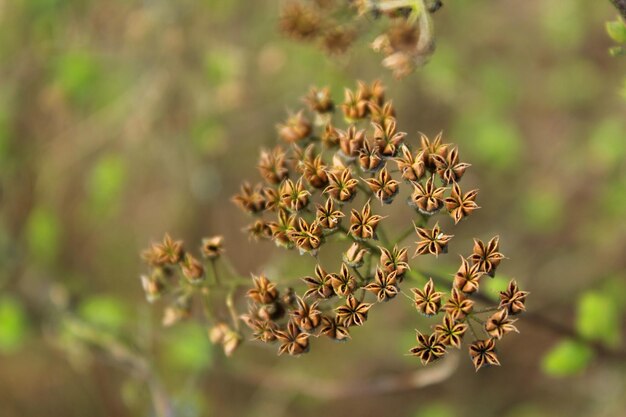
(568, 357)
(13, 324)
(43, 234)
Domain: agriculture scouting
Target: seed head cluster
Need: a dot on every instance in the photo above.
(406, 41)
(335, 165)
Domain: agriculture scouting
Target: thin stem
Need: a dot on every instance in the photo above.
(216, 275)
(230, 303)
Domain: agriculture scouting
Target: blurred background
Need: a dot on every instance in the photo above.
(121, 120)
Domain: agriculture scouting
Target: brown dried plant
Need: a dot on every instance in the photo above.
(323, 184)
(406, 38)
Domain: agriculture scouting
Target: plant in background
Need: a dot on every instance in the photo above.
(407, 41)
(324, 184)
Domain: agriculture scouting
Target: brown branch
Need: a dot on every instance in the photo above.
(620, 5)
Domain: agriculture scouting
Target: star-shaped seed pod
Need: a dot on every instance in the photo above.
(382, 115)
(341, 185)
(354, 106)
(458, 305)
(319, 100)
(500, 324)
(306, 316)
(353, 313)
(169, 251)
(467, 278)
(449, 169)
(294, 196)
(429, 149)
(431, 241)
(343, 283)
(512, 299)
(332, 328)
(351, 142)
(428, 198)
(285, 224)
(307, 237)
(370, 159)
(263, 330)
(295, 129)
(385, 286)
(320, 285)
(429, 348)
(450, 332)
(250, 199)
(396, 260)
(374, 93)
(192, 269)
(272, 165)
(326, 215)
(264, 291)
(293, 340)
(330, 136)
(411, 168)
(387, 139)
(487, 256)
(259, 230)
(384, 186)
(353, 257)
(212, 247)
(461, 205)
(273, 201)
(427, 300)
(363, 224)
(314, 171)
(483, 353)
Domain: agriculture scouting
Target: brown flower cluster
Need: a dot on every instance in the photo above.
(182, 280)
(406, 43)
(338, 162)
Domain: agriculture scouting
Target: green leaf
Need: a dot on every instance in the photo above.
(567, 358)
(543, 209)
(13, 324)
(76, 73)
(43, 233)
(188, 347)
(616, 30)
(598, 318)
(104, 311)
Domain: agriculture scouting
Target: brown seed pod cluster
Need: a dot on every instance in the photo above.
(320, 184)
(407, 41)
(182, 280)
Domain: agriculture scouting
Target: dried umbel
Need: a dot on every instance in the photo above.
(407, 40)
(333, 190)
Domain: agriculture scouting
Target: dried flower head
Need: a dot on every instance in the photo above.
(353, 257)
(272, 165)
(332, 328)
(451, 332)
(363, 223)
(296, 128)
(299, 21)
(169, 251)
(385, 286)
(212, 247)
(427, 300)
(306, 316)
(449, 169)
(429, 348)
(467, 278)
(384, 186)
(411, 167)
(461, 205)
(487, 256)
(512, 299)
(343, 283)
(264, 291)
(353, 313)
(327, 216)
(395, 260)
(500, 324)
(432, 241)
(427, 198)
(292, 340)
(320, 285)
(458, 305)
(483, 353)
